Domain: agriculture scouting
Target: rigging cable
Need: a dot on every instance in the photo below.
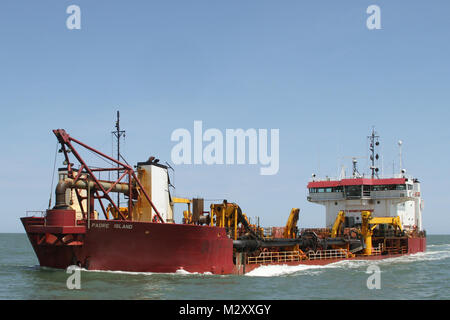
(53, 176)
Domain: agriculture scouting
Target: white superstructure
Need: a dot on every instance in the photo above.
(398, 195)
(384, 197)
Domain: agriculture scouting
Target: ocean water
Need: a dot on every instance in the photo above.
(419, 276)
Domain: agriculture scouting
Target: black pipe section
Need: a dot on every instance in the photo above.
(253, 244)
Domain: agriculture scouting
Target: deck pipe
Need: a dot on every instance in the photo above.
(249, 245)
(64, 184)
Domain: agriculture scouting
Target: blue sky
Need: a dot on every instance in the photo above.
(311, 69)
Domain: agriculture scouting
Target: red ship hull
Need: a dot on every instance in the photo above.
(132, 246)
(149, 247)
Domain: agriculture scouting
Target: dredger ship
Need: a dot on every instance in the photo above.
(366, 218)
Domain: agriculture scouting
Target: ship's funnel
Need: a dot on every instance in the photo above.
(154, 178)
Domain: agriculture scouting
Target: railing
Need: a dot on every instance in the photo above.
(316, 230)
(328, 254)
(291, 256)
(268, 232)
(364, 176)
(377, 250)
(271, 257)
(397, 250)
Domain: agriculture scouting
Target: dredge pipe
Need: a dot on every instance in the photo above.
(252, 244)
(63, 185)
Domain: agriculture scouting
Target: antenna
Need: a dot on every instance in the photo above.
(342, 173)
(355, 173)
(373, 140)
(400, 142)
(118, 134)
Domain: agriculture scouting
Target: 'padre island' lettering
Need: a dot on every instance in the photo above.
(235, 140)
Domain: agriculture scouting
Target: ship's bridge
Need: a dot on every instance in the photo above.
(385, 197)
(361, 188)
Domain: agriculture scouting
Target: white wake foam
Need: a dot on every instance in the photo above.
(280, 270)
(184, 272)
(178, 272)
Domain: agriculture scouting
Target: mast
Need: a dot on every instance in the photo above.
(373, 139)
(118, 134)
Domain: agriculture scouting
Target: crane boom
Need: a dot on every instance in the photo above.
(340, 219)
(291, 225)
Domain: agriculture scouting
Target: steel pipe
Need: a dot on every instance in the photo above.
(68, 183)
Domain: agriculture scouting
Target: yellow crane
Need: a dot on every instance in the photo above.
(113, 211)
(340, 219)
(369, 223)
(227, 216)
(291, 225)
(187, 214)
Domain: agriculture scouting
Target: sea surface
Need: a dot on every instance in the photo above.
(419, 276)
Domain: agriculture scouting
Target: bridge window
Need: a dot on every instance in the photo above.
(389, 187)
(353, 191)
(323, 190)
